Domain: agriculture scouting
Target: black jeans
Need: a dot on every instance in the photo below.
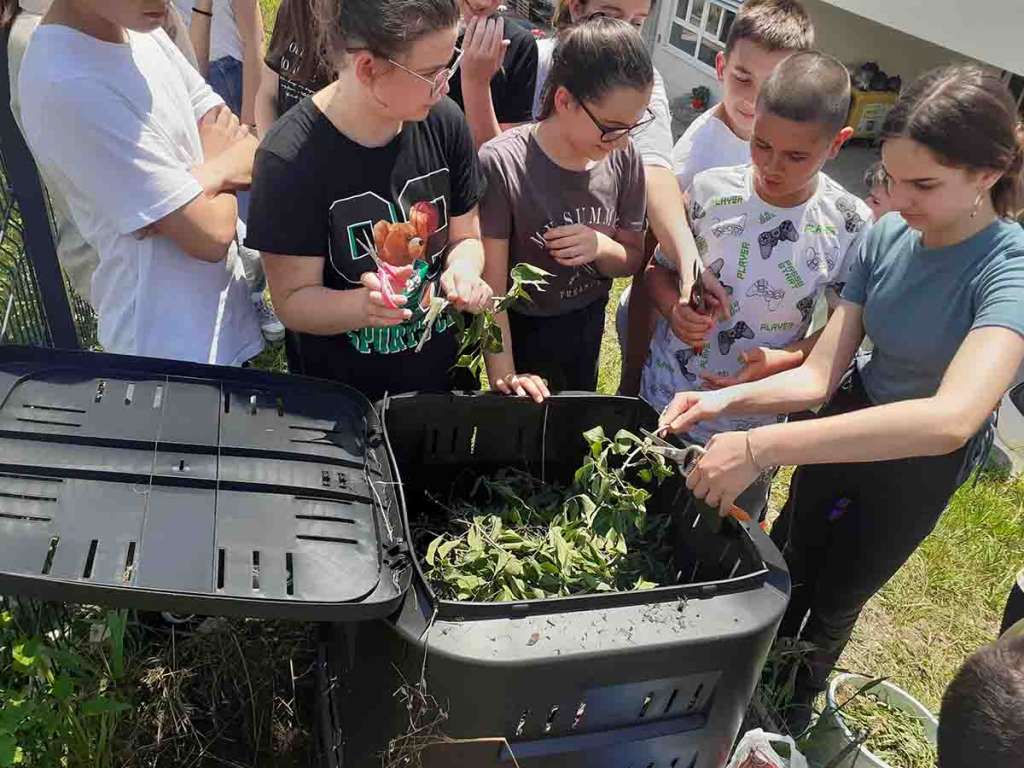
(1014, 610)
(845, 531)
(564, 349)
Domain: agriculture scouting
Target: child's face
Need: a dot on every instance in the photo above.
(471, 8)
(879, 201)
(931, 196)
(742, 73)
(634, 12)
(136, 15)
(787, 156)
(585, 123)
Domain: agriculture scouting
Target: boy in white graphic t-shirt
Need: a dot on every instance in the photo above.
(777, 233)
(763, 33)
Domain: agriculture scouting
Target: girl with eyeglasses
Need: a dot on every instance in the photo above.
(364, 203)
(567, 195)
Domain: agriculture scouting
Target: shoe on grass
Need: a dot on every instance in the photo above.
(272, 328)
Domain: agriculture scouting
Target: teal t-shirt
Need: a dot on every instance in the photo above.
(920, 303)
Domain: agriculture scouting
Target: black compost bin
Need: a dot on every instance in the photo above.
(142, 483)
(654, 679)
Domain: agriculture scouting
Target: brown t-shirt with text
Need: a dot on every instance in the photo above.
(528, 194)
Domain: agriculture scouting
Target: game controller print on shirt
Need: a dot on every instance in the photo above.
(772, 262)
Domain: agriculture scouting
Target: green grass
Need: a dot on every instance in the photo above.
(945, 602)
(230, 696)
(948, 599)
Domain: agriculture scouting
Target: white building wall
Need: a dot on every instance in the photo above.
(850, 37)
(988, 30)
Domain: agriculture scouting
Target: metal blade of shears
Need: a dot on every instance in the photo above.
(686, 459)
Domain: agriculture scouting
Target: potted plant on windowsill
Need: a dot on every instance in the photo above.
(700, 97)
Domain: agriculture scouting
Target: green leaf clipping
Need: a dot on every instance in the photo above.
(514, 537)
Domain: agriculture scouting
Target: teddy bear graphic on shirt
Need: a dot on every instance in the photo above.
(401, 244)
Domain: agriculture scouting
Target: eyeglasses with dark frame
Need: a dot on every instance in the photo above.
(437, 82)
(611, 135)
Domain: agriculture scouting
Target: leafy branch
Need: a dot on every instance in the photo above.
(483, 334)
(517, 538)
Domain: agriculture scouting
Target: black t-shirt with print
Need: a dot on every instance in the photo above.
(290, 88)
(317, 193)
(513, 85)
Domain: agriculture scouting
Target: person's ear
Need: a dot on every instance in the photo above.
(364, 64)
(837, 142)
(720, 66)
(563, 99)
(987, 179)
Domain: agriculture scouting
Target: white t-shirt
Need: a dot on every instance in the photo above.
(653, 142)
(773, 261)
(707, 143)
(225, 39)
(115, 125)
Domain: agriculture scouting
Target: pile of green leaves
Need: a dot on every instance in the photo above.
(517, 538)
(483, 334)
(890, 734)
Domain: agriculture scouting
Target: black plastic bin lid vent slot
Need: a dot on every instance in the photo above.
(150, 484)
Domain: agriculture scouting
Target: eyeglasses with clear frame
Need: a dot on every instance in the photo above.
(611, 135)
(437, 82)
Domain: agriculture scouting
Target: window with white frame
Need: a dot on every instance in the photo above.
(700, 28)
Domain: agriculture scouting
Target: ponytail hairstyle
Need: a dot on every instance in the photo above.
(594, 57)
(9, 10)
(384, 27)
(967, 117)
(296, 26)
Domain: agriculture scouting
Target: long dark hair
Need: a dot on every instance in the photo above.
(595, 56)
(296, 26)
(968, 118)
(384, 27)
(8, 13)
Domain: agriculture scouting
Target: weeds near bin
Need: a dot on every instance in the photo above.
(514, 537)
(227, 692)
(63, 690)
(891, 734)
(424, 727)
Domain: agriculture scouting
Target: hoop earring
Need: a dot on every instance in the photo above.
(977, 205)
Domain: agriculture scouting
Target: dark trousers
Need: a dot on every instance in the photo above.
(564, 349)
(1014, 610)
(845, 530)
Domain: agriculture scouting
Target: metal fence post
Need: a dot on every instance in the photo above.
(28, 191)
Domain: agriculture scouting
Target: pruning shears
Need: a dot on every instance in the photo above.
(686, 458)
(698, 297)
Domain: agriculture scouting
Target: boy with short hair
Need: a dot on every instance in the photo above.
(778, 232)
(981, 722)
(764, 33)
(148, 158)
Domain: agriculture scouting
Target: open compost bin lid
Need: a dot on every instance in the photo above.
(144, 483)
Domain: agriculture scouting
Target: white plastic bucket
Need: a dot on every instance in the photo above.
(832, 736)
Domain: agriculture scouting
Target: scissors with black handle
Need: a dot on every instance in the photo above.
(686, 458)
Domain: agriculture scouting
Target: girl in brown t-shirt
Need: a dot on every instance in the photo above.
(567, 194)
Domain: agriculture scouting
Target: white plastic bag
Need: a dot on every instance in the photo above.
(755, 750)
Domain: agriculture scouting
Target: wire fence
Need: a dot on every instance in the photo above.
(22, 314)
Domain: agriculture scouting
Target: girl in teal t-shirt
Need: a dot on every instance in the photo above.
(939, 287)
